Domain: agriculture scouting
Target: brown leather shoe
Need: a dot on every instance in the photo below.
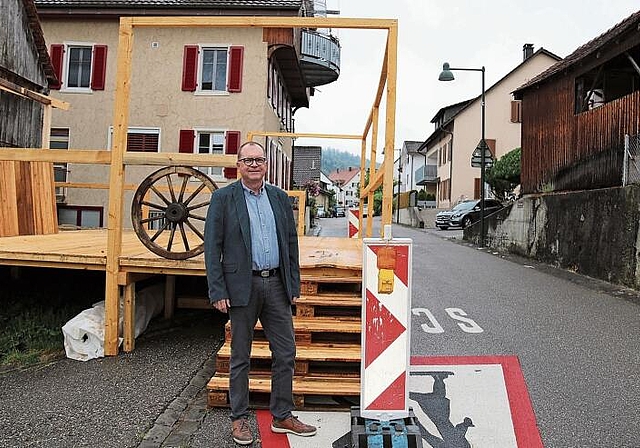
(293, 426)
(241, 432)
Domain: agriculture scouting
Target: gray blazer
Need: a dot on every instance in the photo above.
(227, 244)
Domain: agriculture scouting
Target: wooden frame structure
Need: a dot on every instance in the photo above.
(118, 158)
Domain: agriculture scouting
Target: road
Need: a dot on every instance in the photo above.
(577, 339)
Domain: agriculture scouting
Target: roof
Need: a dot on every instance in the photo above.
(411, 146)
(38, 39)
(222, 4)
(306, 164)
(343, 175)
(631, 23)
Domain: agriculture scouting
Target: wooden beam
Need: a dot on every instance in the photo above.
(86, 156)
(372, 170)
(376, 181)
(302, 203)
(381, 84)
(177, 159)
(10, 87)
(116, 180)
(129, 318)
(390, 127)
(252, 134)
(264, 22)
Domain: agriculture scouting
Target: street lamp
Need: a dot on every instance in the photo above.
(447, 75)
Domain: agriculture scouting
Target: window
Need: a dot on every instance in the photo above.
(59, 139)
(80, 216)
(140, 139)
(80, 67)
(210, 143)
(212, 68)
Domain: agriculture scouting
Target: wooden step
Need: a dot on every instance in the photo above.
(321, 360)
(329, 305)
(308, 392)
(311, 330)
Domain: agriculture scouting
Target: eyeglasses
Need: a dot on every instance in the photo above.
(251, 160)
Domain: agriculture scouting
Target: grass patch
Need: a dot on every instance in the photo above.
(34, 305)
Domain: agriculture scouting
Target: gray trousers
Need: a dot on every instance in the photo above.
(270, 304)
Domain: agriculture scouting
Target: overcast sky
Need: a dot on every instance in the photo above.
(465, 33)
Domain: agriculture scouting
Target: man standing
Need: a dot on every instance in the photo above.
(253, 272)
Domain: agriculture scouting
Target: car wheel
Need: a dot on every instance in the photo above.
(466, 222)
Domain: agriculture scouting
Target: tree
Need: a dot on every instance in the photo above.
(504, 176)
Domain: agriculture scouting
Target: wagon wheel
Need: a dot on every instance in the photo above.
(174, 210)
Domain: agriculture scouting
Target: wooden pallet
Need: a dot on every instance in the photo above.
(319, 360)
(314, 330)
(308, 392)
(329, 305)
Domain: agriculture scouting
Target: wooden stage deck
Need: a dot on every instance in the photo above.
(87, 249)
(321, 259)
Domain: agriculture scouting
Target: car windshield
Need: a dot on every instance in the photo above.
(464, 206)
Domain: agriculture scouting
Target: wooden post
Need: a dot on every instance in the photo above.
(116, 183)
(129, 324)
(390, 123)
(372, 171)
(169, 296)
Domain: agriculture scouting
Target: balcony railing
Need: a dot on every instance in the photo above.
(426, 174)
(319, 57)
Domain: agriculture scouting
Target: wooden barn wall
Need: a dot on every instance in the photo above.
(20, 121)
(18, 51)
(562, 151)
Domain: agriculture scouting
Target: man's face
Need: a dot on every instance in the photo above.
(253, 172)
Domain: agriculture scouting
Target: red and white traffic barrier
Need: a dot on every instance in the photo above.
(353, 222)
(386, 333)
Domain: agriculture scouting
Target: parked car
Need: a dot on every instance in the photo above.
(339, 212)
(466, 213)
(320, 211)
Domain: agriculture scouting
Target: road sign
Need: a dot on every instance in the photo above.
(476, 157)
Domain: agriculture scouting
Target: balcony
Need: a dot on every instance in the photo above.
(319, 58)
(426, 174)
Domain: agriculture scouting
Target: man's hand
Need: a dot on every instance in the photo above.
(222, 305)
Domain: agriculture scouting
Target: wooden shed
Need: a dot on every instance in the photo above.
(27, 196)
(575, 115)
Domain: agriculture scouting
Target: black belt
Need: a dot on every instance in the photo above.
(265, 272)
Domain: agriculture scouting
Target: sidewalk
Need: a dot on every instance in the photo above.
(153, 397)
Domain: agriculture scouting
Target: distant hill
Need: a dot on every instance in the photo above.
(333, 159)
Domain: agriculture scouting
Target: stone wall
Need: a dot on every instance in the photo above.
(594, 232)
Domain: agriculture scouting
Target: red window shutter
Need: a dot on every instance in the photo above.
(236, 56)
(99, 67)
(190, 68)
(516, 111)
(187, 136)
(231, 147)
(491, 143)
(57, 55)
(476, 188)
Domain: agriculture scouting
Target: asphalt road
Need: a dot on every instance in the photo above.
(577, 339)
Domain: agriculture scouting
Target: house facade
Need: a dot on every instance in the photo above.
(347, 182)
(193, 90)
(458, 130)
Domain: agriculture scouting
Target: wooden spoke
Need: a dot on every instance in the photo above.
(172, 211)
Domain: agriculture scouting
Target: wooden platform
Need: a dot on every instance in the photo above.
(326, 322)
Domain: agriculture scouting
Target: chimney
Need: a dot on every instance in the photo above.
(349, 168)
(527, 51)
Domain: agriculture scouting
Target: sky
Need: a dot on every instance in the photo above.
(465, 33)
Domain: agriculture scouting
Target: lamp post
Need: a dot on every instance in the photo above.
(447, 75)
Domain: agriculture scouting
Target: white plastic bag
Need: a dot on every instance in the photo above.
(84, 334)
